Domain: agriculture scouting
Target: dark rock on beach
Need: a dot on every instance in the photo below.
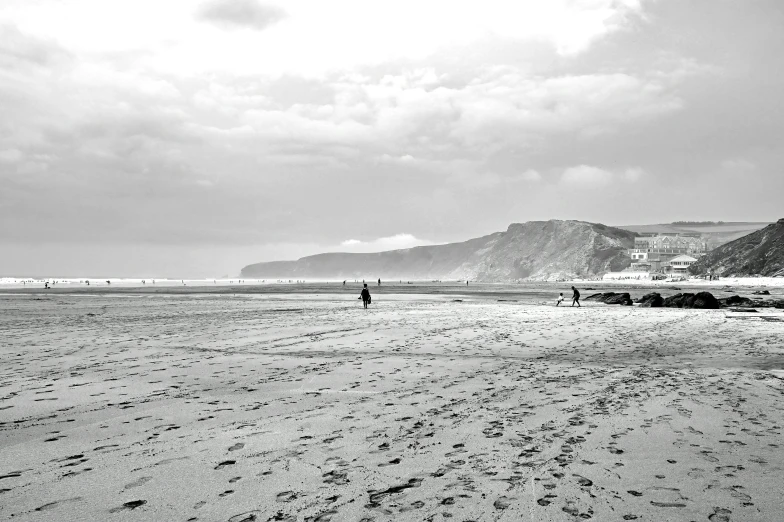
(701, 300)
(611, 298)
(652, 300)
(736, 300)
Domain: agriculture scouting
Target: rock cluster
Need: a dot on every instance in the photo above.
(652, 300)
(737, 301)
(612, 298)
(700, 300)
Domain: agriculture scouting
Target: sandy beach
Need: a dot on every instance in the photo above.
(428, 406)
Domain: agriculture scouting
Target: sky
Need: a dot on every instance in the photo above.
(191, 138)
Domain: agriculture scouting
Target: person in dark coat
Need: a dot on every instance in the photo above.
(575, 297)
(365, 296)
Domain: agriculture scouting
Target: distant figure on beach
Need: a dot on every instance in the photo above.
(560, 299)
(575, 297)
(379, 281)
(365, 296)
(466, 282)
(108, 282)
(46, 285)
(344, 282)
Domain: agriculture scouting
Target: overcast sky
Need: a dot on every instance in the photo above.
(184, 138)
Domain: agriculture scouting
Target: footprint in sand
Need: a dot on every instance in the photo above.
(326, 516)
(583, 481)
(225, 463)
(133, 504)
(336, 477)
(138, 482)
(572, 509)
(377, 496)
(502, 503)
(720, 515)
(286, 496)
(667, 497)
(56, 503)
(546, 500)
(251, 516)
(237, 446)
(414, 505)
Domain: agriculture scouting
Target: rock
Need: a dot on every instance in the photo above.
(619, 299)
(652, 300)
(702, 301)
(674, 301)
(611, 298)
(761, 292)
(736, 300)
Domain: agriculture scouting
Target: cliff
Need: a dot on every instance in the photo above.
(758, 253)
(535, 250)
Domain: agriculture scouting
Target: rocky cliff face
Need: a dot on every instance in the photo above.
(759, 253)
(535, 250)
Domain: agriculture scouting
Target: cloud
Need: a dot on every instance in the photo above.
(530, 175)
(396, 242)
(19, 50)
(738, 164)
(249, 14)
(586, 176)
(10, 156)
(633, 174)
(149, 125)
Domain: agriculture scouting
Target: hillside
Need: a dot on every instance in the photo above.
(716, 234)
(759, 253)
(534, 250)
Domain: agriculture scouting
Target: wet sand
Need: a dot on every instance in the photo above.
(131, 406)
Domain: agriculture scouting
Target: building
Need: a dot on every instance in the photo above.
(680, 265)
(655, 252)
(687, 243)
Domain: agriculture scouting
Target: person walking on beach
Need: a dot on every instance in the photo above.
(365, 296)
(575, 297)
(560, 299)
(379, 281)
